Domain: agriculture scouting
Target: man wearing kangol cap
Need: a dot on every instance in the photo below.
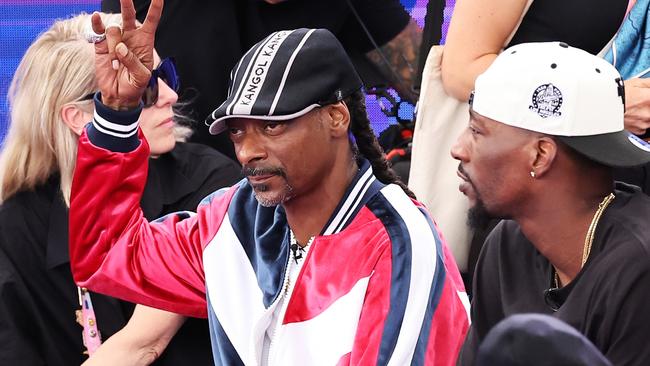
(319, 257)
(545, 130)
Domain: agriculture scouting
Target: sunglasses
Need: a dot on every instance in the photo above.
(166, 71)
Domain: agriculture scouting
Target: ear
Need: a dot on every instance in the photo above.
(339, 117)
(75, 118)
(545, 152)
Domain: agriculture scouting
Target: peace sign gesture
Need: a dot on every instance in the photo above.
(124, 60)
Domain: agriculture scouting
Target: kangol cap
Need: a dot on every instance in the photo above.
(285, 76)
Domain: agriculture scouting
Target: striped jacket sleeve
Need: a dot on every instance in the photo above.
(113, 249)
(415, 310)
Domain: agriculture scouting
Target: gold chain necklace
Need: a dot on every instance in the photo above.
(589, 238)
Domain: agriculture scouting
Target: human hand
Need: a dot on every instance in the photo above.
(637, 105)
(123, 62)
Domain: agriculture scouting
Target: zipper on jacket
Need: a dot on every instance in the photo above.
(271, 308)
(283, 293)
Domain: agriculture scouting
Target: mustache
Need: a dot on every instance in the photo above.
(463, 172)
(247, 171)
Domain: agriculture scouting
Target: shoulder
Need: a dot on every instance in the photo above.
(627, 222)
(25, 223)
(195, 168)
(506, 249)
(26, 206)
(407, 223)
(193, 155)
(506, 235)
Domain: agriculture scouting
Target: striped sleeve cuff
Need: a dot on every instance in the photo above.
(114, 130)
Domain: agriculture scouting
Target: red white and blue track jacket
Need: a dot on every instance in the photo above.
(378, 286)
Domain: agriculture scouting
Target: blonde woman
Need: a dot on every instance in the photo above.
(51, 102)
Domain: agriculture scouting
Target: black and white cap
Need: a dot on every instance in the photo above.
(286, 75)
(555, 89)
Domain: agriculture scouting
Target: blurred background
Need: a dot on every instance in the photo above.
(22, 20)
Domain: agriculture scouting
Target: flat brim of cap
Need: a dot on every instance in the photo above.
(616, 149)
(218, 125)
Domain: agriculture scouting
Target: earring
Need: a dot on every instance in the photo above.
(532, 173)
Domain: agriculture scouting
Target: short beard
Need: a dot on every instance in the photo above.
(259, 190)
(478, 216)
(282, 197)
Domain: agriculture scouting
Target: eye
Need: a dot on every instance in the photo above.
(473, 130)
(235, 131)
(274, 127)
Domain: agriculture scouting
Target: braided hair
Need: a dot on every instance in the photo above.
(367, 144)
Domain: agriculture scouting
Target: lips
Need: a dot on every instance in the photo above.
(462, 176)
(465, 185)
(258, 179)
(167, 121)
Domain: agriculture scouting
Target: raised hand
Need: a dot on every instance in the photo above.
(124, 60)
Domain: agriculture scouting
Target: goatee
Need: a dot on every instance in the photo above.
(478, 217)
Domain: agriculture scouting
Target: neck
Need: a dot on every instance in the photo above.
(558, 231)
(308, 213)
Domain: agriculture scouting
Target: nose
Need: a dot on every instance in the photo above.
(249, 148)
(166, 95)
(459, 149)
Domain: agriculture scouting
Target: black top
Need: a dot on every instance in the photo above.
(585, 24)
(207, 38)
(38, 297)
(608, 301)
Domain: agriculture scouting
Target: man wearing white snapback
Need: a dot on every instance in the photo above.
(545, 130)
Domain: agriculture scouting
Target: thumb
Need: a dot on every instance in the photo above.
(138, 73)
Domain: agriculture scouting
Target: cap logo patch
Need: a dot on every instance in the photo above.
(641, 144)
(547, 100)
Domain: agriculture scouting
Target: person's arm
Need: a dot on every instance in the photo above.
(637, 105)
(141, 341)
(413, 310)
(477, 33)
(402, 55)
(113, 249)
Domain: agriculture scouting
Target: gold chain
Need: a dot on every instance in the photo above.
(589, 239)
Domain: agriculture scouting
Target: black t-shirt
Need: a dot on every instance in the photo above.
(585, 24)
(207, 38)
(608, 301)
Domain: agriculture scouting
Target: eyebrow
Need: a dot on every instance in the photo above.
(477, 118)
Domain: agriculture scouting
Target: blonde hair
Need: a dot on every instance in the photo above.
(57, 69)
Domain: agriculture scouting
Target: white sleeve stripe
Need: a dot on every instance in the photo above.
(99, 120)
(347, 205)
(423, 268)
(287, 69)
(112, 133)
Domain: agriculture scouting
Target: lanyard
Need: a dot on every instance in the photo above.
(86, 317)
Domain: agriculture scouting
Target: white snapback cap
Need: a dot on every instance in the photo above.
(555, 89)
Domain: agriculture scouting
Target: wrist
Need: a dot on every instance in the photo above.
(117, 104)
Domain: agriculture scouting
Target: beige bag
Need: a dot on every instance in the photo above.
(440, 120)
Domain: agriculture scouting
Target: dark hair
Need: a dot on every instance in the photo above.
(367, 144)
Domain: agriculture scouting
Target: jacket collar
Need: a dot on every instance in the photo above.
(363, 187)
